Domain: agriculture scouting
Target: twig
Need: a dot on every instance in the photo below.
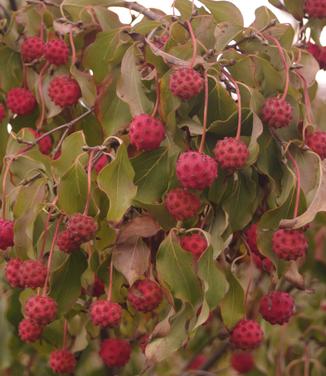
(215, 357)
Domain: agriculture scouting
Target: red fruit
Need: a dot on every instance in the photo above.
(161, 41)
(263, 263)
(33, 273)
(62, 361)
(64, 91)
(56, 52)
(143, 342)
(195, 244)
(314, 49)
(32, 48)
(251, 237)
(247, 335)
(98, 288)
(182, 204)
(101, 163)
(315, 8)
(2, 112)
(6, 234)
(317, 143)
(242, 362)
(29, 331)
(13, 273)
(41, 309)
(186, 83)
(277, 307)
(197, 362)
(231, 154)
(20, 101)
(289, 244)
(115, 352)
(82, 227)
(67, 242)
(277, 112)
(196, 170)
(45, 144)
(146, 132)
(322, 57)
(104, 313)
(145, 295)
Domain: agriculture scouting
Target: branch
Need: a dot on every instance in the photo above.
(215, 357)
(140, 9)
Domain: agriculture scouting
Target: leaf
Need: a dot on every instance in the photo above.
(224, 11)
(257, 130)
(224, 33)
(65, 282)
(116, 180)
(184, 7)
(152, 174)
(131, 259)
(160, 213)
(87, 85)
(10, 68)
(175, 270)
(143, 226)
(130, 88)
(264, 17)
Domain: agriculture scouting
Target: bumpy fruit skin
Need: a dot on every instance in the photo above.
(82, 227)
(145, 295)
(6, 234)
(246, 335)
(2, 112)
(231, 154)
(67, 242)
(45, 144)
(194, 243)
(263, 263)
(56, 52)
(115, 352)
(32, 48)
(317, 143)
(13, 273)
(98, 287)
(251, 237)
(277, 307)
(64, 91)
(197, 362)
(21, 101)
(146, 132)
(41, 309)
(196, 170)
(101, 163)
(242, 362)
(33, 273)
(62, 361)
(277, 112)
(315, 8)
(289, 244)
(181, 204)
(29, 331)
(186, 83)
(104, 313)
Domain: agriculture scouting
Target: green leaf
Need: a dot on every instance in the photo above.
(257, 130)
(159, 212)
(264, 17)
(116, 180)
(87, 85)
(10, 68)
(224, 11)
(65, 281)
(224, 33)
(130, 87)
(184, 7)
(175, 270)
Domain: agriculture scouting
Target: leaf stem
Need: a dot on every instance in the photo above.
(40, 121)
(110, 280)
(89, 181)
(73, 48)
(194, 44)
(306, 97)
(203, 137)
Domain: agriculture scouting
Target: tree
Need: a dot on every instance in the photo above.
(163, 190)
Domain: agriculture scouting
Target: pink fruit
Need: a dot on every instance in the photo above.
(182, 204)
(231, 154)
(115, 352)
(246, 335)
(277, 113)
(104, 313)
(101, 163)
(242, 362)
(194, 243)
(82, 227)
(289, 244)
(33, 273)
(21, 101)
(197, 362)
(317, 143)
(56, 52)
(6, 234)
(62, 361)
(186, 83)
(29, 331)
(64, 91)
(145, 295)
(13, 273)
(32, 48)
(41, 309)
(67, 242)
(277, 307)
(45, 144)
(315, 8)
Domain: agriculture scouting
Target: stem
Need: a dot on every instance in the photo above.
(40, 121)
(46, 229)
(110, 280)
(298, 176)
(158, 95)
(65, 331)
(4, 181)
(58, 147)
(89, 181)
(215, 357)
(54, 240)
(306, 98)
(237, 89)
(194, 44)
(203, 137)
(73, 48)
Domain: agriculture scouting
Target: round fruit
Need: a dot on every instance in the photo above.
(41, 309)
(289, 244)
(246, 335)
(182, 204)
(251, 237)
(115, 352)
(231, 154)
(62, 361)
(6, 234)
(145, 295)
(98, 287)
(2, 112)
(197, 362)
(33, 273)
(277, 307)
(263, 263)
(104, 313)
(146, 133)
(315, 8)
(56, 52)
(196, 170)
(317, 143)
(82, 227)
(277, 112)
(13, 273)
(101, 163)
(64, 91)
(186, 83)
(194, 243)
(242, 362)
(45, 144)
(67, 242)
(21, 101)
(29, 331)
(32, 48)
